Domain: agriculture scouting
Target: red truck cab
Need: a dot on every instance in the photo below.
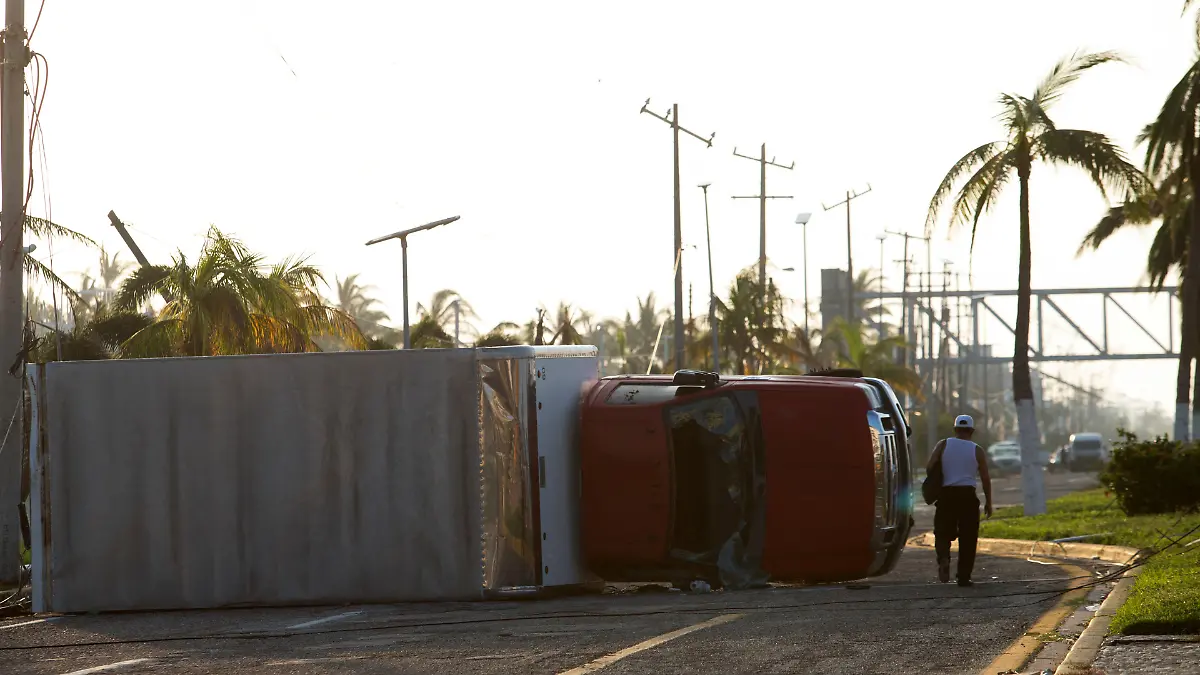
(739, 480)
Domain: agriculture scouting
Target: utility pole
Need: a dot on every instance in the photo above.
(762, 198)
(12, 293)
(850, 196)
(133, 247)
(672, 118)
(913, 320)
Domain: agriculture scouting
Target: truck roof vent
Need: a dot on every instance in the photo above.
(696, 378)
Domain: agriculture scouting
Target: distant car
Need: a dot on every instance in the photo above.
(1006, 456)
(1085, 452)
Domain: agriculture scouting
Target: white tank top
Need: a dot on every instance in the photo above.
(958, 463)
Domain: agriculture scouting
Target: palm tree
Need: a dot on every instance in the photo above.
(427, 334)
(441, 310)
(112, 269)
(571, 326)
(99, 338)
(1031, 136)
(230, 302)
(1172, 146)
(637, 335)
(35, 269)
(867, 281)
(874, 358)
(751, 325)
(500, 336)
(353, 298)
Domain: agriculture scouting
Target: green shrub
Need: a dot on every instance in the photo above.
(1158, 476)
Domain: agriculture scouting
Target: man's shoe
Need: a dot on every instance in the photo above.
(944, 571)
(965, 582)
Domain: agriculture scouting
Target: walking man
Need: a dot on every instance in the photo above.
(957, 515)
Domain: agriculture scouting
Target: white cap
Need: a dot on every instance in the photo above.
(964, 422)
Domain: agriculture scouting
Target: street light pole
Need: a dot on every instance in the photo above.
(403, 237)
(803, 219)
(882, 237)
(712, 293)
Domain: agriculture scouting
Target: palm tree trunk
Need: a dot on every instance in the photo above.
(1027, 429)
(1187, 337)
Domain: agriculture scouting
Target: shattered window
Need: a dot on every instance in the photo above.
(712, 472)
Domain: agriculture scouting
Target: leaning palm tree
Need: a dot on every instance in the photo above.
(1031, 136)
(231, 302)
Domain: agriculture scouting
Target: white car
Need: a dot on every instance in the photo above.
(1006, 456)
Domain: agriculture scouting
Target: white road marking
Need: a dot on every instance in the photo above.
(108, 668)
(605, 661)
(315, 622)
(304, 662)
(28, 623)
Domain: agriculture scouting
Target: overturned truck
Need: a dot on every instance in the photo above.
(447, 475)
(736, 481)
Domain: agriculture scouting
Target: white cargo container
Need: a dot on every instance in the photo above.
(306, 478)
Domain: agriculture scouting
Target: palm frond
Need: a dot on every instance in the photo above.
(966, 164)
(1093, 152)
(1067, 71)
(158, 340)
(979, 193)
(141, 285)
(38, 270)
(1171, 136)
(41, 227)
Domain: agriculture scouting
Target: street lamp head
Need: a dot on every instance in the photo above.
(881, 236)
(704, 186)
(789, 269)
(404, 233)
(803, 218)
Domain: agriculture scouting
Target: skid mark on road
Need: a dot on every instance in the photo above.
(109, 668)
(605, 661)
(317, 622)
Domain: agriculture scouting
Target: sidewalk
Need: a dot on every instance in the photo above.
(1150, 654)
(1079, 644)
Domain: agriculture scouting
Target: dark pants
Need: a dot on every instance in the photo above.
(957, 517)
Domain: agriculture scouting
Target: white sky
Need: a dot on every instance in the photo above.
(523, 118)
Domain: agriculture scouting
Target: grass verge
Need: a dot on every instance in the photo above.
(1166, 598)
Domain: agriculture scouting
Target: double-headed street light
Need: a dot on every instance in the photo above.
(403, 237)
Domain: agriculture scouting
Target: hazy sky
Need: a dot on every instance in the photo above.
(523, 118)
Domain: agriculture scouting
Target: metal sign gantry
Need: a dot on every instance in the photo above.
(922, 302)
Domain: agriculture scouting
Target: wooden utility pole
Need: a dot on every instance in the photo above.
(762, 198)
(850, 196)
(12, 293)
(672, 118)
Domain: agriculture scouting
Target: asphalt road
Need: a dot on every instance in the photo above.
(902, 623)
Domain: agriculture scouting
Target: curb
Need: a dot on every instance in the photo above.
(1119, 555)
(1079, 659)
(1087, 647)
